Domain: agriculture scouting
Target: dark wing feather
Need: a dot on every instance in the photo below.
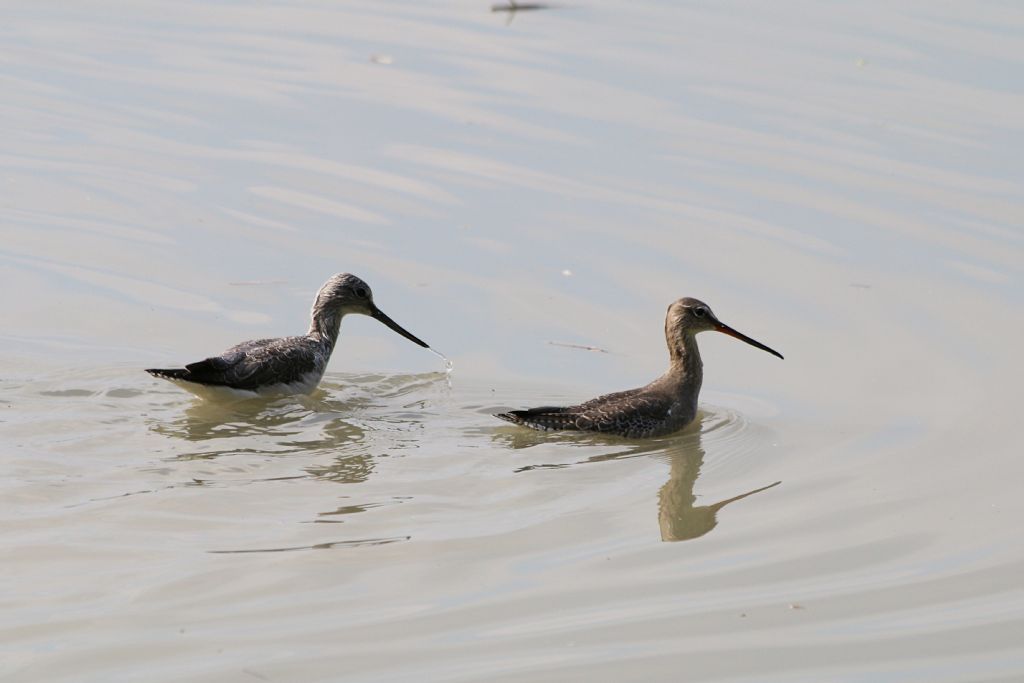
(253, 364)
(546, 418)
(632, 413)
(628, 413)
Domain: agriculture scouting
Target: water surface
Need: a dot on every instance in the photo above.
(842, 183)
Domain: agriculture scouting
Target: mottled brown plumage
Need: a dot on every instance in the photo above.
(666, 405)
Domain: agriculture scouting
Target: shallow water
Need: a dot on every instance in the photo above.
(842, 183)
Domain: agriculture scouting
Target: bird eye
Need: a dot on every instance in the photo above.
(361, 292)
(699, 312)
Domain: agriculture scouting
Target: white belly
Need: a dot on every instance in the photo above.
(211, 392)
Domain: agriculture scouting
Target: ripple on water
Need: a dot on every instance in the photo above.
(518, 509)
(843, 176)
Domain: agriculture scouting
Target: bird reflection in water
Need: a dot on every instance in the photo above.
(678, 517)
(279, 427)
(331, 423)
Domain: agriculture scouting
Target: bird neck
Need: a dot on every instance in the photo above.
(685, 365)
(325, 326)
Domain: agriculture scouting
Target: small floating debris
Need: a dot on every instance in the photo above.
(382, 59)
(582, 347)
(567, 273)
(513, 6)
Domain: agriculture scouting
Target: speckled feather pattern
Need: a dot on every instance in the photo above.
(637, 413)
(664, 406)
(260, 364)
(285, 365)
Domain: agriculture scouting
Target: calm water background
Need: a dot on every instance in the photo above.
(840, 181)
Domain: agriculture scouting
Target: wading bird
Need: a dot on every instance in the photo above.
(284, 365)
(666, 405)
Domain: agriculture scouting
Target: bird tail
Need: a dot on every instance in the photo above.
(546, 418)
(169, 373)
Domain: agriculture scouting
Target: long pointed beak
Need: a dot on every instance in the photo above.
(379, 315)
(725, 329)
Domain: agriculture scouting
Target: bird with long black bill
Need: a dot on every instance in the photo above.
(666, 405)
(285, 365)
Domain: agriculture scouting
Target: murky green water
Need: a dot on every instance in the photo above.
(840, 182)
